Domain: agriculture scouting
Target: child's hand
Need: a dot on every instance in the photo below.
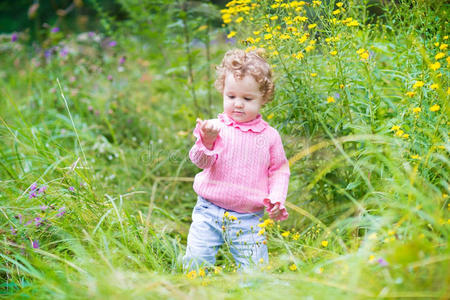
(209, 131)
(275, 212)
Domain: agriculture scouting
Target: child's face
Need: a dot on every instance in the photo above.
(242, 99)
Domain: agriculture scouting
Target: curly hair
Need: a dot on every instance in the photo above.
(240, 63)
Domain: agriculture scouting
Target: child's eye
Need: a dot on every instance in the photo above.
(248, 99)
(231, 97)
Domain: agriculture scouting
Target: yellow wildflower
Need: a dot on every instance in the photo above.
(226, 214)
(435, 66)
(293, 267)
(405, 136)
(298, 55)
(410, 94)
(201, 273)
(395, 128)
(415, 156)
(339, 4)
(371, 258)
(256, 32)
(353, 23)
(286, 233)
(261, 260)
(296, 236)
(267, 222)
(445, 37)
(324, 243)
(361, 51)
(231, 34)
(330, 99)
(267, 36)
(439, 55)
(300, 19)
(309, 48)
(303, 38)
(336, 12)
(333, 53)
(313, 74)
(443, 46)
(239, 20)
(270, 116)
(434, 86)
(203, 27)
(192, 274)
(436, 44)
(418, 84)
(217, 270)
(364, 55)
(341, 86)
(311, 26)
(417, 110)
(262, 231)
(273, 18)
(399, 132)
(435, 107)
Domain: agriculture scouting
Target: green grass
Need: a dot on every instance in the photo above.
(366, 219)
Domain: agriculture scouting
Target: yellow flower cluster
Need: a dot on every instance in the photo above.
(235, 7)
(363, 54)
(229, 216)
(266, 223)
(399, 132)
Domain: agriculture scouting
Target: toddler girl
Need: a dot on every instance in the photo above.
(244, 167)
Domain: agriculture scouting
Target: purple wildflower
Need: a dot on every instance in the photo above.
(122, 60)
(13, 37)
(61, 212)
(64, 52)
(110, 78)
(29, 222)
(91, 34)
(90, 108)
(33, 186)
(230, 41)
(32, 195)
(42, 189)
(44, 207)
(71, 188)
(382, 262)
(13, 230)
(48, 53)
(55, 29)
(337, 96)
(35, 244)
(112, 43)
(38, 221)
(19, 216)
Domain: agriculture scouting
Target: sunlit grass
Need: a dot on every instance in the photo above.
(107, 150)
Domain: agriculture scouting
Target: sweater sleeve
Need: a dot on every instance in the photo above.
(278, 177)
(201, 156)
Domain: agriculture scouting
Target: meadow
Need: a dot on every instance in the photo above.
(96, 183)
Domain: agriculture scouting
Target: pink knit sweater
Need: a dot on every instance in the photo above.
(247, 168)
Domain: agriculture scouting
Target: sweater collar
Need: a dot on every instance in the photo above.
(256, 125)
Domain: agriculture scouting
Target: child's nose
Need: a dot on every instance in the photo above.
(239, 104)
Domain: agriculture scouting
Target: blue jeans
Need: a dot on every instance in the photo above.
(211, 227)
